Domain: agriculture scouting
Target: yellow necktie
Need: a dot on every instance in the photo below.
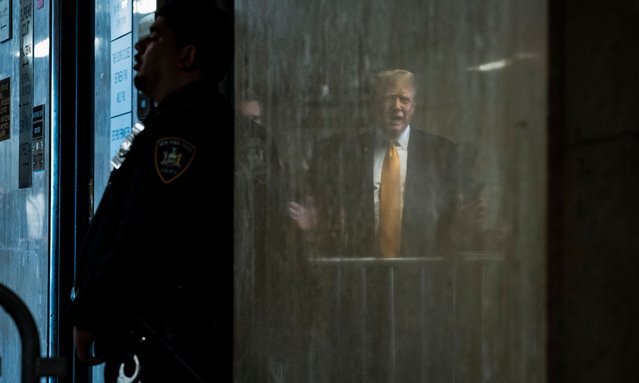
(390, 205)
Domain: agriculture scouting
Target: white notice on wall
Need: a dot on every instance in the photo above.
(5, 20)
(120, 129)
(121, 14)
(121, 75)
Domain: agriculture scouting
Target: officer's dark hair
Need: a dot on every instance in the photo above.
(208, 27)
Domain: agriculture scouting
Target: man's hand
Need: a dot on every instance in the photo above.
(468, 226)
(471, 213)
(470, 216)
(304, 215)
(82, 340)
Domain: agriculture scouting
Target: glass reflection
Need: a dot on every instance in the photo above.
(429, 197)
(320, 297)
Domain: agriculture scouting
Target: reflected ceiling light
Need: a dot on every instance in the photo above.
(500, 64)
(494, 65)
(144, 6)
(41, 49)
(325, 91)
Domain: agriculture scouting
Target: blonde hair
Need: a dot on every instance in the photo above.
(382, 79)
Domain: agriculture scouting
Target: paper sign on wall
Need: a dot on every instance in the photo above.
(121, 75)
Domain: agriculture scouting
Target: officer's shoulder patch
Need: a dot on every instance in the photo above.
(173, 155)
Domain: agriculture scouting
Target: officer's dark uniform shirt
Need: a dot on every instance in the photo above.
(158, 256)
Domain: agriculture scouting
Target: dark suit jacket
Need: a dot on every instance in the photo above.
(341, 178)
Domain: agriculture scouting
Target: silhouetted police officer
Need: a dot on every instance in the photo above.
(156, 267)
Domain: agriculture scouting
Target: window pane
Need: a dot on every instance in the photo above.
(459, 296)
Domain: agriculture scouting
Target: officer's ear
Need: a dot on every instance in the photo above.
(186, 57)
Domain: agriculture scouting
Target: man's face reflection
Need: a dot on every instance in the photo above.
(252, 110)
(395, 107)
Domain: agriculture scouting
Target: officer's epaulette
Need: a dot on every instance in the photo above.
(125, 146)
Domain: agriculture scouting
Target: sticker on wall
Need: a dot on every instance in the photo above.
(121, 75)
(39, 4)
(120, 129)
(121, 14)
(37, 139)
(5, 109)
(25, 95)
(5, 20)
